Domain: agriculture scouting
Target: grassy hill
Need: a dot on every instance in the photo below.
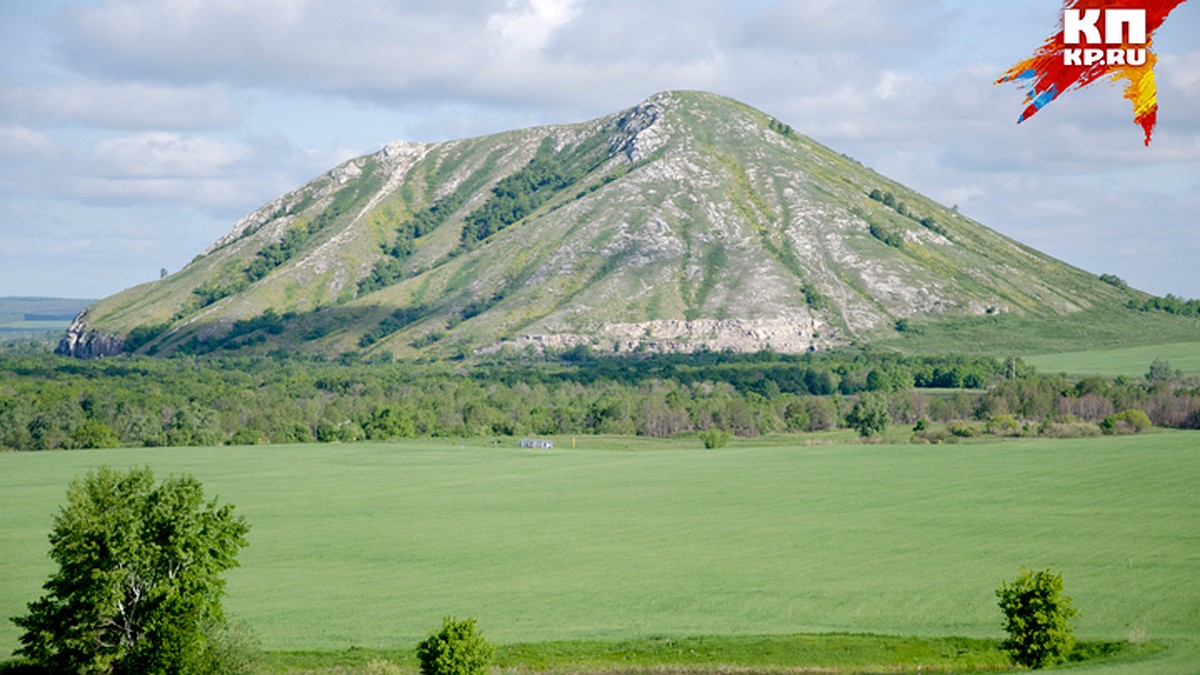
(689, 221)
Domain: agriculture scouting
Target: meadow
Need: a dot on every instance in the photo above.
(368, 545)
(1132, 362)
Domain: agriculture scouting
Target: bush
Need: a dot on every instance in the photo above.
(1127, 421)
(231, 649)
(960, 428)
(715, 438)
(1002, 425)
(1070, 429)
(1037, 619)
(934, 435)
(456, 649)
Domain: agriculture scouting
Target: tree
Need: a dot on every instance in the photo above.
(456, 649)
(714, 438)
(1037, 618)
(869, 416)
(1160, 371)
(93, 434)
(138, 585)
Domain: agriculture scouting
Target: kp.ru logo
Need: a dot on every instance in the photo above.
(1080, 27)
(1107, 39)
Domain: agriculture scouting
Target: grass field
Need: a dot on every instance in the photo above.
(370, 545)
(1128, 361)
(22, 316)
(1002, 335)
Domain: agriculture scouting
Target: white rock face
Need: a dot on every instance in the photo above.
(673, 336)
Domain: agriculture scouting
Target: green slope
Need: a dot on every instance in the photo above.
(690, 220)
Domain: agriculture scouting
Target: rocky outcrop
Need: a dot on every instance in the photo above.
(84, 342)
(679, 336)
(639, 131)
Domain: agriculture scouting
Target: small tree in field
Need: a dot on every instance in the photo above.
(869, 416)
(714, 438)
(456, 649)
(1037, 618)
(138, 585)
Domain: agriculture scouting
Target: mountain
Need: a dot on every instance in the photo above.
(689, 221)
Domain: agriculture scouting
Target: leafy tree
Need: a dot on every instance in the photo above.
(456, 649)
(93, 434)
(1160, 371)
(1037, 618)
(389, 423)
(869, 416)
(138, 585)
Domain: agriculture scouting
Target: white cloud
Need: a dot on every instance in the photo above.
(17, 142)
(167, 155)
(527, 25)
(836, 25)
(120, 105)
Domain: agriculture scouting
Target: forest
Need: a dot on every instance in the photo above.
(49, 402)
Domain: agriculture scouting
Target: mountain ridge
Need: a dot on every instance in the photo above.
(689, 221)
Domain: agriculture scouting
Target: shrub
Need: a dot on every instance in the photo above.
(1127, 421)
(960, 428)
(1114, 280)
(1070, 429)
(1037, 619)
(456, 649)
(1002, 425)
(933, 435)
(231, 649)
(715, 438)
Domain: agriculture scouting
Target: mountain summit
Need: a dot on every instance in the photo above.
(689, 221)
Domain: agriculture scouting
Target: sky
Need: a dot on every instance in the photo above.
(134, 133)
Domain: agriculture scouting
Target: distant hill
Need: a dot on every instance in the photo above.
(38, 315)
(689, 221)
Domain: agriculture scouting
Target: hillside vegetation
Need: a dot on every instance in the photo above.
(687, 222)
(49, 402)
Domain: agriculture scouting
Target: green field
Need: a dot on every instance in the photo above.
(1128, 361)
(370, 545)
(22, 316)
(1094, 331)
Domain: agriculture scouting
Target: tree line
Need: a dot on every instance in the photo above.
(49, 402)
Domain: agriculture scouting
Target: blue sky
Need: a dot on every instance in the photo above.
(133, 133)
